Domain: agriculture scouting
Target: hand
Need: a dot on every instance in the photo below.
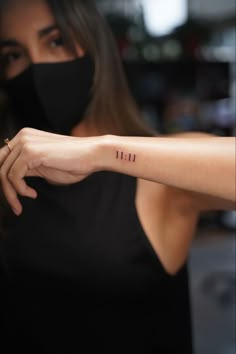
(59, 159)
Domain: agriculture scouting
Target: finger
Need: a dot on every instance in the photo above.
(32, 173)
(8, 189)
(4, 152)
(9, 192)
(18, 169)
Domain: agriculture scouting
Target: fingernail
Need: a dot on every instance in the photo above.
(16, 211)
(34, 195)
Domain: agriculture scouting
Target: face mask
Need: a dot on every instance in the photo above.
(52, 96)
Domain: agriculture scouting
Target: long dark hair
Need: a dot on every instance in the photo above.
(112, 110)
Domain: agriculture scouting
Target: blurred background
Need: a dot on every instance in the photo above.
(180, 60)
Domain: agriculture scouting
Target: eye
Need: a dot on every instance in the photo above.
(57, 42)
(10, 57)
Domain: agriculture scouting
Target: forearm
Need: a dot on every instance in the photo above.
(195, 164)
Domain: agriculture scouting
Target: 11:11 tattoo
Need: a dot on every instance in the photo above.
(120, 155)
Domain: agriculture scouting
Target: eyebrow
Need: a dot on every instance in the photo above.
(45, 31)
(41, 33)
(7, 43)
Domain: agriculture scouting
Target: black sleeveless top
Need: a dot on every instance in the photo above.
(79, 275)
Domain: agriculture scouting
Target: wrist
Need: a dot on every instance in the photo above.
(105, 150)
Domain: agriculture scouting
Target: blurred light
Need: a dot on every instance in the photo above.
(172, 49)
(212, 9)
(151, 52)
(136, 34)
(162, 16)
(223, 53)
(130, 54)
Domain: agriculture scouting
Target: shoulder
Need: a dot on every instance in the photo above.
(166, 197)
(168, 220)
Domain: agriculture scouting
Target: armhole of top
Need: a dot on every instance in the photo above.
(143, 236)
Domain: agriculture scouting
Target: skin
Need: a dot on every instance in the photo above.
(172, 191)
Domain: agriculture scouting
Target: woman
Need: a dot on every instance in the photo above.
(99, 265)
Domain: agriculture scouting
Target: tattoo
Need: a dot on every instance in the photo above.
(128, 157)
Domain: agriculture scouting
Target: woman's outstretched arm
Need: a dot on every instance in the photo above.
(199, 163)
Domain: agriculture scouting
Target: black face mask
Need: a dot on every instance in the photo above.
(52, 96)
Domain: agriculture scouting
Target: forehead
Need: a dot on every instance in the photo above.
(24, 17)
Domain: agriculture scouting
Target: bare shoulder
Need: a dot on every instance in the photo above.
(162, 196)
(168, 221)
(151, 189)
